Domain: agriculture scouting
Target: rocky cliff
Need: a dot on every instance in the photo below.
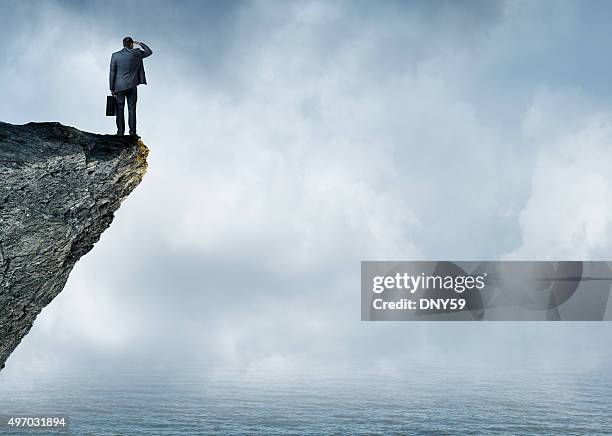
(59, 189)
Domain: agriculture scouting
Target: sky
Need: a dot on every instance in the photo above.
(290, 140)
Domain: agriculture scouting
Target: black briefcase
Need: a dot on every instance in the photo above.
(111, 107)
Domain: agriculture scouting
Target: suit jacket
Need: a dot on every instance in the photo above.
(127, 69)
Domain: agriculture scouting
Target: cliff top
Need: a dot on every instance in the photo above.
(59, 190)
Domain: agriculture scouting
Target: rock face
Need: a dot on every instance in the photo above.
(59, 189)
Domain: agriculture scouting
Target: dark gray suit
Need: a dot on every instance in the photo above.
(126, 73)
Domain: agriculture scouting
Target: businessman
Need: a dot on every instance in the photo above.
(126, 73)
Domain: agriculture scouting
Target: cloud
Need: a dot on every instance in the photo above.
(569, 212)
(288, 143)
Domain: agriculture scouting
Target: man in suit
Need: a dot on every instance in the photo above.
(126, 73)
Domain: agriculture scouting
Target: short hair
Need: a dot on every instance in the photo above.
(127, 41)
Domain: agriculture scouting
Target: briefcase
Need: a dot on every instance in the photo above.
(111, 106)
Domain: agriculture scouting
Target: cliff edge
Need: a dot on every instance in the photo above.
(59, 189)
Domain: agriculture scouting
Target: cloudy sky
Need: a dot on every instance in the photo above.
(292, 139)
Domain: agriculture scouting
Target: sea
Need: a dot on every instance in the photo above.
(444, 399)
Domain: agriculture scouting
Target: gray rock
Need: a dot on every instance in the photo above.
(59, 189)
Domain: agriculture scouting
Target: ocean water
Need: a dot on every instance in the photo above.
(422, 400)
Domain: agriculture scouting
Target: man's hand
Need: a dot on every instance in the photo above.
(136, 42)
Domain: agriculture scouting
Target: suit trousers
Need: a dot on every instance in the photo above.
(132, 96)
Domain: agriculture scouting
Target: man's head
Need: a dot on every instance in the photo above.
(128, 42)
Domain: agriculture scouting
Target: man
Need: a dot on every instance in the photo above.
(126, 73)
